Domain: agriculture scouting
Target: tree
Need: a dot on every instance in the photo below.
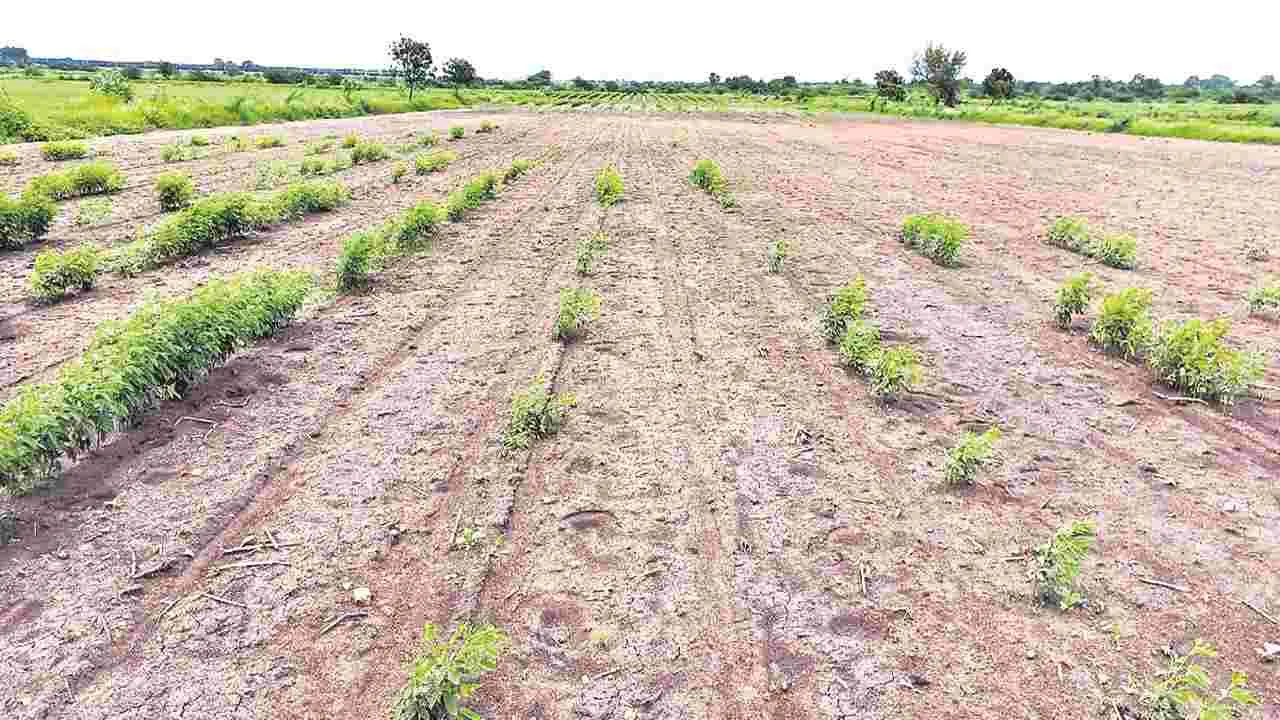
(412, 61)
(998, 85)
(542, 77)
(889, 86)
(1192, 82)
(713, 79)
(167, 70)
(459, 71)
(1148, 87)
(581, 84)
(1266, 82)
(939, 69)
(132, 72)
(14, 56)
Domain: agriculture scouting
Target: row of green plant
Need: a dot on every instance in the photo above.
(706, 176)
(92, 178)
(155, 354)
(1074, 234)
(1190, 356)
(937, 237)
(891, 371)
(64, 150)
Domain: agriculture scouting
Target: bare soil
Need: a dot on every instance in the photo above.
(729, 525)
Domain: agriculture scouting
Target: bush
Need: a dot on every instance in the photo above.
(64, 150)
(398, 171)
(860, 345)
(264, 142)
(1262, 299)
(487, 127)
(433, 162)
(360, 255)
(1070, 234)
(313, 167)
(112, 83)
(8, 157)
(94, 178)
(964, 460)
(157, 353)
(578, 306)
(305, 198)
(1191, 357)
(318, 148)
(482, 187)
(176, 152)
(456, 132)
(1058, 565)
(447, 672)
(608, 186)
(535, 414)
(57, 272)
(1117, 251)
(1073, 299)
(706, 176)
(25, 219)
(199, 141)
(843, 307)
(174, 190)
(1124, 324)
(588, 249)
(518, 167)
(894, 372)
(1185, 691)
(937, 237)
(777, 255)
(350, 141)
(367, 152)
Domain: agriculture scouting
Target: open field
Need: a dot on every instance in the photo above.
(728, 525)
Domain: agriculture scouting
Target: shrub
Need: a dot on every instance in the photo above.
(843, 307)
(64, 150)
(1124, 324)
(1073, 299)
(1262, 299)
(174, 190)
(414, 230)
(56, 272)
(271, 173)
(777, 255)
(1117, 251)
(367, 152)
(264, 142)
(1058, 565)
(535, 414)
(518, 167)
(706, 176)
(8, 157)
(456, 132)
(578, 306)
(398, 171)
(1192, 358)
(93, 178)
(199, 140)
(588, 249)
(860, 345)
(160, 351)
(608, 186)
(313, 167)
(350, 141)
(25, 219)
(935, 236)
(1186, 691)
(447, 672)
(318, 148)
(305, 198)
(894, 372)
(432, 162)
(360, 255)
(92, 212)
(1070, 234)
(486, 127)
(482, 187)
(112, 83)
(964, 460)
(176, 152)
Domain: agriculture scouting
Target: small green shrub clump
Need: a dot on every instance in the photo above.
(860, 345)
(894, 372)
(93, 178)
(936, 237)
(313, 167)
(891, 371)
(361, 254)
(57, 272)
(535, 413)
(964, 460)
(447, 672)
(1264, 298)
(350, 141)
(1192, 358)
(456, 132)
(706, 176)
(777, 255)
(8, 157)
(588, 250)
(398, 171)
(608, 186)
(518, 167)
(367, 152)
(64, 150)
(486, 127)
(578, 306)
(25, 219)
(1074, 234)
(433, 162)
(844, 306)
(1058, 565)
(1117, 251)
(199, 141)
(429, 140)
(175, 191)
(264, 142)
(481, 188)
(157, 353)
(318, 148)
(1073, 299)
(305, 198)
(1185, 691)
(1124, 324)
(1070, 234)
(176, 152)
(365, 252)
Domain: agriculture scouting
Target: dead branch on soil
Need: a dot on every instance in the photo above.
(1161, 583)
(223, 600)
(1178, 398)
(260, 563)
(258, 546)
(1258, 610)
(338, 621)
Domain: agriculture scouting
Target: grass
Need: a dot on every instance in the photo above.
(776, 255)
(64, 150)
(57, 272)
(433, 162)
(1192, 358)
(536, 413)
(158, 352)
(1073, 299)
(93, 212)
(25, 219)
(93, 178)
(578, 307)
(457, 132)
(937, 237)
(174, 190)
(1058, 565)
(608, 186)
(1264, 298)
(966, 458)
(589, 248)
(446, 672)
(1124, 324)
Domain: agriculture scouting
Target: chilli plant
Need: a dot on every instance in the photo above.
(845, 305)
(937, 237)
(578, 307)
(965, 459)
(1124, 324)
(535, 413)
(1058, 564)
(589, 248)
(57, 272)
(1191, 357)
(609, 186)
(1185, 690)
(448, 671)
(1073, 299)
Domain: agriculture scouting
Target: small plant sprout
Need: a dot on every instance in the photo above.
(609, 186)
(457, 132)
(1185, 691)
(535, 413)
(1073, 299)
(1192, 358)
(1264, 298)
(1124, 324)
(844, 306)
(777, 255)
(1070, 234)
(264, 142)
(965, 459)
(588, 250)
(578, 306)
(518, 167)
(447, 672)
(398, 171)
(936, 237)
(1058, 564)
(894, 372)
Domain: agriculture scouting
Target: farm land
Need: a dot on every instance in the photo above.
(732, 519)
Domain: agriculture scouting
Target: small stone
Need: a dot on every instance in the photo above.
(361, 595)
(1031, 653)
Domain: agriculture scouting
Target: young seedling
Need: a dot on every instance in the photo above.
(535, 414)
(447, 672)
(578, 306)
(609, 186)
(518, 167)
(777, 255)
(457, 132)
(1117, 251)
(1185, 691)
(1073, 299)
(964, 460)
(398, 171)
(860, 345)
(350, 141)
(1124, 324)
(433, 162)
(588, 250)
(936, 237)
(1192, 358)
(1058, 564)
(845, 305)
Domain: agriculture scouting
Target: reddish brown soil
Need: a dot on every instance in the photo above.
(729, 525)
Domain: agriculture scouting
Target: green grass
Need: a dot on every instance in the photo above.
(937, 237)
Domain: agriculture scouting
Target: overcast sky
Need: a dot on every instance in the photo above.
(675, 40)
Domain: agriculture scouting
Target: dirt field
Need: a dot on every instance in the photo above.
(729, 525)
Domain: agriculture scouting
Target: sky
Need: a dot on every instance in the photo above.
(675, 40)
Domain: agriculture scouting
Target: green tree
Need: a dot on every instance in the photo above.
(10, 55)
(713, 79)
(412, 62)
(542, 77)
(890, 86)
(939, 69)
(459, 71)
(998, 84)
(167, 70)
